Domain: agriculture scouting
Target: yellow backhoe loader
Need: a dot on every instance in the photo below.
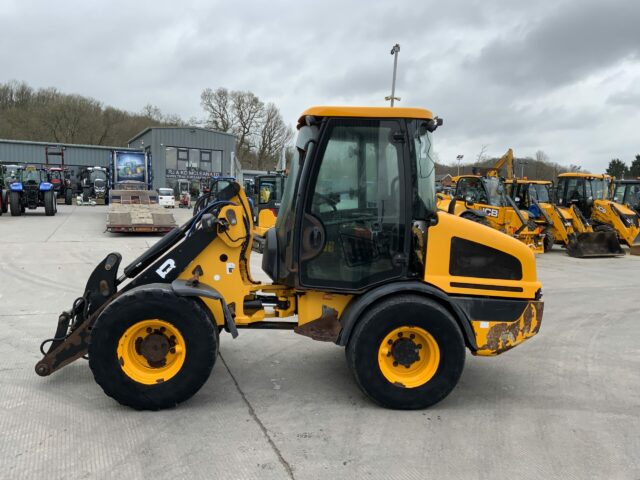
(359, 253)
(592, 195)
(563, 225)
(627, 192)
(482, 199)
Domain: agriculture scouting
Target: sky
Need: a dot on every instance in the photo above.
(562, 77)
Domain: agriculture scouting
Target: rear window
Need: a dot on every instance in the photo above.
(165, 191)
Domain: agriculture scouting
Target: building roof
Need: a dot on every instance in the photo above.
(366, 112)
(74, 145)
(442, 176)
(208, 130)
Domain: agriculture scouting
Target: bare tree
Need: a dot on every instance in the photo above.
(218, 105)
(482, 154)
(248, 111)
(274, 136)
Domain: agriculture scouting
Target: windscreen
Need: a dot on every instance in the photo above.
(495, 191)
(540, 192)
(426, 166)
(165, 192)
(599, 189)
(98, 175)
(32, 176)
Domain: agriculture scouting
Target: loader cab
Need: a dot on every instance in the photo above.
(359, 178)
(523, 193)
(627, 192)
(582, 190)
(476, 189)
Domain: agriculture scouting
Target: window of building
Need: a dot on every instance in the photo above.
(171, 158)
(216, 161)
(205, 160)
(194, 158)
(183, 158)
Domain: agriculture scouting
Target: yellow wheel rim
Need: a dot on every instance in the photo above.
(409, 356)
(151, 351)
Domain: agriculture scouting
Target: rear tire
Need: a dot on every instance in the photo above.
(182, 314)
(549, 241)
(384, 383)
(49, 203)
(5, 202)
(68, 197)
(16, 205)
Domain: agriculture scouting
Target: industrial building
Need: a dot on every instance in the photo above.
(188, 153)
(171, 153)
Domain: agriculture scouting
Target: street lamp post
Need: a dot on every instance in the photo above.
(459, 158)
(394, 52)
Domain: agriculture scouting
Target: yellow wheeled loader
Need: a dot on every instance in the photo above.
(592, 195)
(563, 225)
(268, 190)
(359, 253)
(482, 199)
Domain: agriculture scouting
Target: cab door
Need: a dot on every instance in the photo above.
(354, 220)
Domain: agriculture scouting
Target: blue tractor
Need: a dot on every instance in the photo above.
(30, 190)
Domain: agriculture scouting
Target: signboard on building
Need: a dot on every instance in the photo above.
(130, 166)
(191, 174)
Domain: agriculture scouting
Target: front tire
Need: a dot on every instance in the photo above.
(549, 241)
(16, 205)
(49, 203)
(68, 197)
(406, 352)
(151, 349)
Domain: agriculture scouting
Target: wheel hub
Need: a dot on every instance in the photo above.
(153, 348)
(408, 356)
(151, 351)
(405, 351)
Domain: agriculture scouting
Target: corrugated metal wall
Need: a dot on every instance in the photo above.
(153, 140)
(12, 151)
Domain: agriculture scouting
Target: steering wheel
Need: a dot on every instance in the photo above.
(325, 199)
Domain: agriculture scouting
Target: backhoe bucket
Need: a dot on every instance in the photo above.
(595, 244)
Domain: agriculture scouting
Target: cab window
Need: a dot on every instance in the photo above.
(354, 219)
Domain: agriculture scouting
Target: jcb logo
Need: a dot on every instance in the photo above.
(165, 268)
(492, 212)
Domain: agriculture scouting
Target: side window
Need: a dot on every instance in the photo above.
(472, 189)
(354, 224)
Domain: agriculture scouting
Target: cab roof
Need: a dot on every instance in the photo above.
(527, 181)
(599, 176)
(366, 112)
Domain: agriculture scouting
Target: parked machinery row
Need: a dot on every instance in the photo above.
(25, 187)
(586, 213)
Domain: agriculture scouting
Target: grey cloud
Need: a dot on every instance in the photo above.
(580, 38)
